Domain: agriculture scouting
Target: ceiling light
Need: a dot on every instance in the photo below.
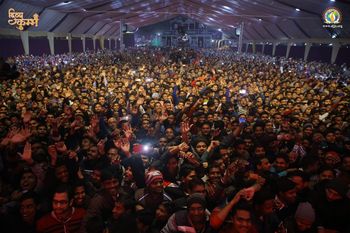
(260, 19)
(330, 44)
(332, 0)
(297, 9)
(220, 30)
(334, 36)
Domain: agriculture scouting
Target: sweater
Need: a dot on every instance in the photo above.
(51, 224)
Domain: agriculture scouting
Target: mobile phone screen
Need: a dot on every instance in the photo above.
(242, 120)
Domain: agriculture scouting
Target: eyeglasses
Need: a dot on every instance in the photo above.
(56, 202)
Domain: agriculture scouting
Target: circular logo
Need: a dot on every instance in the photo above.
(332, 16)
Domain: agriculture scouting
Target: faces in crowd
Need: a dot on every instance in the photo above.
(61, 205)
(28, 209)
(242, 221)
(224, 108)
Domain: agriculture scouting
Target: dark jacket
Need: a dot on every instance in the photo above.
(101, 205)
(291, 226)
(331, 214)
(179, 223)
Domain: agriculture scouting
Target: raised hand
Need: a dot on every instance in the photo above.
(185, 127)
(21, 136)
(192, 159)
(5, 141)
(140, 101)
(27, 153)
(53, 154)
(80, 174)
(101, 146)
(90, 132)
(128, 132)
(214, 144)
(248, 193)
(61, 147)
(94, 121)
(230, 170)
(125, 146)
(238, 196)
(178, 81)
(184, 147)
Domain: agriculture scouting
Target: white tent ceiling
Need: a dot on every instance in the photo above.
(264, 19)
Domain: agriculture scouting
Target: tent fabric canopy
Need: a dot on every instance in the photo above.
(263, 19)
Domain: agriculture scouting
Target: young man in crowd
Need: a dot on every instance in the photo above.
(64, 217)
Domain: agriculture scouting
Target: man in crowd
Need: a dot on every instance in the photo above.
(64, 217)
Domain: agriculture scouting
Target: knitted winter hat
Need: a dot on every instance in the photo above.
(305, 211)
(152, 176)
(196, 198)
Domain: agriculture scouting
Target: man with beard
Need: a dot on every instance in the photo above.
(193, 219)
(281, 164)
(102, 203)
(95, 160)
(81, 200)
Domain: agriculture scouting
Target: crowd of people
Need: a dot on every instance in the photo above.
(138, 142)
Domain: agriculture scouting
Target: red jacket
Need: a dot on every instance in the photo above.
(50, 224)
